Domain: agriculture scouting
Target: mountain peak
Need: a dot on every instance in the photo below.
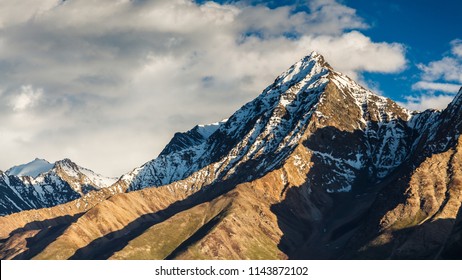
(319, 58)
(68, 167)
(309, 67)
(308, 75)
(32, 169)
(65, 162)
(457, 101)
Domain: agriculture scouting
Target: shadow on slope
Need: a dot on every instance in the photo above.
(104, 247)
(325, 225)
(422, 242)
(453, 247)
(198, 235)
(48, 231)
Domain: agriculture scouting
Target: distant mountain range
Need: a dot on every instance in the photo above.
(40, 184)
(316, 167)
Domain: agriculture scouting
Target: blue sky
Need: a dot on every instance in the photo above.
(107, 83)
(424, 28)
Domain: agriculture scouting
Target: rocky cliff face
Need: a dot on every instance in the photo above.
(316, 167)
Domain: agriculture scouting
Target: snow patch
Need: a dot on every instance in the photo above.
(206, 130)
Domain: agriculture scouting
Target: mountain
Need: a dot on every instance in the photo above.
(40, 184)
(32, 169)
(315, 167)
(264, 132)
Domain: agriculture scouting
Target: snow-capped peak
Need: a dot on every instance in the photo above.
(69, 167)
(208, 129)
(87, 176)
(307, 69)
(32, 169)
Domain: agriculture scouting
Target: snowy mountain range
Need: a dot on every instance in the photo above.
(315, 167)
(40, 184)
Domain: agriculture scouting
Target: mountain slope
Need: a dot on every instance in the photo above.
(416, 213)
(316, 167)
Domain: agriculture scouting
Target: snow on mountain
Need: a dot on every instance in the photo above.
(33, 168)
(438, 130)
(382, 123)
(79, 176)
(263, 133)
(208, 129)
(63, 182)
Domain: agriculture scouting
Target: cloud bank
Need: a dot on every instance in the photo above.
(107, 83)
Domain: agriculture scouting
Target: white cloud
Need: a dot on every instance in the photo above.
(118, 78)
(443, 87)
(15, 12)
(447, 69)
(353, 53)
(457, 47)
(442, 75)
(25, 98)
(334, 15)
(426, 101)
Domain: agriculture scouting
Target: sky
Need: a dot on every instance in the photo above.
(107, 83)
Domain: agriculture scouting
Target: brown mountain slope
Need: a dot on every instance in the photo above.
(240, 224)
(419, 223)
(43, 225)
(151, 223)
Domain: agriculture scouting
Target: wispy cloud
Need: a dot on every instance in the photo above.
(457, 47)
(440, 80)
(442, 87)
(427, 101)
(446, 69)
(113, 80)
(25, 98)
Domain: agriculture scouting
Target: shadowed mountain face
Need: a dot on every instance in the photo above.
(316, 167)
